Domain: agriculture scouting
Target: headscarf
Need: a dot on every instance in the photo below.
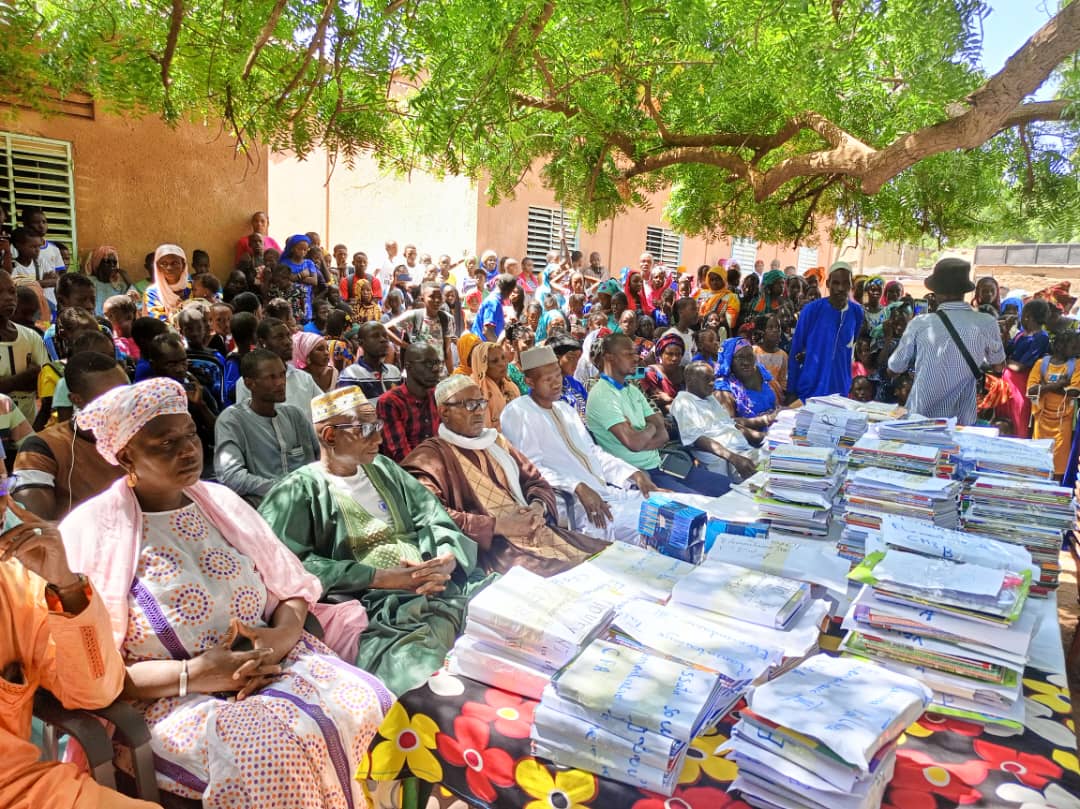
(727, 381)
(496, 394)
(641, 301)
(764, 302)
(1013, 301)
(668, 339)
(546, 319)
(99, 254)
(465, 345)
(363, 312)
(303, 343)
(286, 254)
(888, 288)
(1057, 294)
(169, 294)
(118, 415)
(710, 301)
(818, 273)
(654, 295)
(608, 287)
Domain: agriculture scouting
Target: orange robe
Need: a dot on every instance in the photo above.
(32, 639)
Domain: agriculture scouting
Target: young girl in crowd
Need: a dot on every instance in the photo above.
(220, 336)
(862, 389)
(708, 348)
(767, 334)
(120, 312)
(1022, 354)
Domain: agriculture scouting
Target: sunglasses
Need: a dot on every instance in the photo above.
(365, 428)
(472, 405)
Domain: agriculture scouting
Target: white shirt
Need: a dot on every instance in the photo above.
(707, 418)
(385, 272)
(300, 389)
(535, 432)
(48, 260)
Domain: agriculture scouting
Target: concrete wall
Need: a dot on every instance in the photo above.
(140, 183)
(362, 206)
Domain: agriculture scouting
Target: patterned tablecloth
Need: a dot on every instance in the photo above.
(474, 740)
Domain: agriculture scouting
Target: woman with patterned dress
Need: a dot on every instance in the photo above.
(207, 607)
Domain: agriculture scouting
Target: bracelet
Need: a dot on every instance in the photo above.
(183, 678)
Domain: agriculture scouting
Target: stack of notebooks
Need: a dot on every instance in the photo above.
(779, 433)
(958, 626)
(926, 432)
(920, 459)
(822, 425)
(874, 411)
(523, 628)
(824, 735)
(800, 490)
(998, 455)
(870, 493)
(1032, 513)
(738, 592)
(626, 570)
(628, 714)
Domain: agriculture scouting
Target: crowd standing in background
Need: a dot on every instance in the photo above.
(406, 424)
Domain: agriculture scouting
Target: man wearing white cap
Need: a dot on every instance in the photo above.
(824, 340)
(371, 532)
(492, 491)
(606, 492)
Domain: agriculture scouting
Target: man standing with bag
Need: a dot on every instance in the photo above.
(950, 348)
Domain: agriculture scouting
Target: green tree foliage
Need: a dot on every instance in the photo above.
(760, 116)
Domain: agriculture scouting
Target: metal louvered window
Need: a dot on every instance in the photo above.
(744, 251)
(38, 172)
(807, 259)
(546, 226)
(665, 245)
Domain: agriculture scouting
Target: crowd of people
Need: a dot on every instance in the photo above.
(368, 441)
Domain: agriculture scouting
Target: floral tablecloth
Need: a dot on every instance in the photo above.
(474, 740)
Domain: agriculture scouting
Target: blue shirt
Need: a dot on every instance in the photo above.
(827, 338)
(491, 311)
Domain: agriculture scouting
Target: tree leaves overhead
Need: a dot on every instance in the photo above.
(614, 98)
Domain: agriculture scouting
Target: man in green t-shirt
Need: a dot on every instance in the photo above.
(624, 423)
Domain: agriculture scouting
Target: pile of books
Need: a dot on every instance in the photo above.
(819, 424)
(947, 609)
(874, 411)
(921, 459)
(779, 432)
(738, 592)
(523, 628)
(801, 487)
(628, 714)
(1032, 513)
(999, 455)
(626, 570)
(824, 735)
(926, 432)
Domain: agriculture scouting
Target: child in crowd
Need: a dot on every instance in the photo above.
(242, 327)
(205, 286)
(27, 307)
(708, 348)
(205, 364)
(901, 388)
(143, 331)
(200, 263)
(73, 291)
(121, 312)
(767, 335)
(1053, 387)
(220, 335)
(283, 311)
(342, 354)
(862, 389)
(786, 315)
(70, 323)
(93, 340)
(863, 363)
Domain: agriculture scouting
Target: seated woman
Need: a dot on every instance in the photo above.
(488, 361)
(206, 605)
(663, 381)
(172, 283)
(311, 355)
(745, 388)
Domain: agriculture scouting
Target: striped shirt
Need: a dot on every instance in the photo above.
(944, 385)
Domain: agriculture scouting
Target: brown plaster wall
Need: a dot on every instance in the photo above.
(140, 183)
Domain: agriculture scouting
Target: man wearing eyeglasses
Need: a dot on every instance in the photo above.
(372, 533)
(408, 411)
(492, 492)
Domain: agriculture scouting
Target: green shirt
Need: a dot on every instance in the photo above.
(607, 406)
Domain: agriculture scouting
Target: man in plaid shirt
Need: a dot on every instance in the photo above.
(408, 411)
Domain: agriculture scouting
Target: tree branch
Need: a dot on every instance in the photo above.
(176, 19)
(315, 44)
(263, 37)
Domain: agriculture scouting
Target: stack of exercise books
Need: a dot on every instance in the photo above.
(739, 592)
(626, 570)
(926, 432)
(523, 628)
(779, 432)
(1032, 513)
(628, 714)
(801, 488)
(824, 735)
(947, 609)
(918, 459)
(1000, 455)
(874, 411)
(819, 424)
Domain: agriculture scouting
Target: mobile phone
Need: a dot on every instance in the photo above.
(639, 373)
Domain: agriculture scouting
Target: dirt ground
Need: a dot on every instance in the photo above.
(1025, 279)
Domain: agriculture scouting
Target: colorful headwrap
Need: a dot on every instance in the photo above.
(336, 402)
(291, 242)
(720, 273)
(1058, 294)
(771, 277)
(639, 302)
(93, 261)
(465, 345)
(888, 288)
(726, 355)
(1012, 300)
(609, 287)
(118, 415)
(667, 340)
(818, 273)
(727, 381)
(303, 343)
(453, 384)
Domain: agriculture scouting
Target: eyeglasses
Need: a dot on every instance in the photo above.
(432, 364)
(472, 405)
(365, 428)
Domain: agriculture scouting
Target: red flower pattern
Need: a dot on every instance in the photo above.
(484, 766)
(918, 778)
(512, 715)
(1029, 769)
(693, 798)
(936, 723)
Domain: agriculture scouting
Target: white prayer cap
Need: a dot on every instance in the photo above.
(537, 357)
(453, 384)
(334, 403)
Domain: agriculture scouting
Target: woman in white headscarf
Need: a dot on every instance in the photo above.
(172, 283)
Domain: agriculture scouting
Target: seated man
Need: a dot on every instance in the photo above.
(549, 433)
(706, 426)
(624, 423)
(300, 387)
(261, 441)
(408, 411)
(50, 614)
(371, 532)
(60, 467)
(492, 491)
(370, 372)
(168, 358)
